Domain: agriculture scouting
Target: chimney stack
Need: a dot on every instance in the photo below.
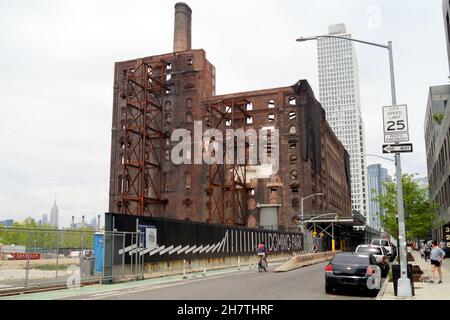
(182, 30)
(98, 222)
(82, 221)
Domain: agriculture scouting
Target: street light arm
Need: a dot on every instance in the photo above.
(301, 39)
(314, 194)
(374, 155)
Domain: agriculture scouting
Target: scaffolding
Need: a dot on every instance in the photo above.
(227, 182)
(144, 138)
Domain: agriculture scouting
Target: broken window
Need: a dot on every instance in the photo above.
(249, 120)
(249, 106)
(271, 117)
(271, 104)
(190, 61)
(292, 144)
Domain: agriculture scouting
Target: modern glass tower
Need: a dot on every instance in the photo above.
(339, 95)
(377, 177)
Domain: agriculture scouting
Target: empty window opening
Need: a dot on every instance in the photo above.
(292, 115)
(293, 159)
(188, 179)
(249, 120)
(249, 106)
(271, 104)
(292, 101)
(294, 188)
(271, 117)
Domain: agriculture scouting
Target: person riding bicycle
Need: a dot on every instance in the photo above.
(262, 252)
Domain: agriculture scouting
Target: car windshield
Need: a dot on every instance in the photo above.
(384, 243)
(351, 258)
(372, 250)
(376, 242)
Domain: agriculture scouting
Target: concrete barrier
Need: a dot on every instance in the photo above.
(306, 260)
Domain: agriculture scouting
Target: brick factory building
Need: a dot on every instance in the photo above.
(155, 95)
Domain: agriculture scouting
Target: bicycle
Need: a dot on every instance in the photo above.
(262, 264)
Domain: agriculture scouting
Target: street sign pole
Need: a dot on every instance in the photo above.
(404, 284)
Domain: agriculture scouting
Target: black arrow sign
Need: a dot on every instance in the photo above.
(394, 148)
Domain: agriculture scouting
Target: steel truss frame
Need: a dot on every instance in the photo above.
(142, 186)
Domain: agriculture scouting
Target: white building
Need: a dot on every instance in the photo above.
(54, 216)
(339, 95)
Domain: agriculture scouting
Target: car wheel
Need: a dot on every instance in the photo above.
(328, 289)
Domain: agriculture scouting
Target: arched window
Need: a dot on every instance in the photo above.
(168, 118)
(249, 120)
(294, 174)
(271, 104)
(295, 203)
(189, 117)
(188, 103)
(249, 106)
(187, 180)
(168, 106)
(292, 130)
(271, 117)
(293, 159)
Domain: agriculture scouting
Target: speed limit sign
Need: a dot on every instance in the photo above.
(395, 123)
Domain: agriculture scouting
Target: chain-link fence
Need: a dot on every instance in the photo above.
(38, 258)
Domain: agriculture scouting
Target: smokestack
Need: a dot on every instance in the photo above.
(82, 221)
(98, 222)
(182, 30)
(73, 221)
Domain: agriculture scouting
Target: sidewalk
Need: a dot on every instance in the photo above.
(425, 291)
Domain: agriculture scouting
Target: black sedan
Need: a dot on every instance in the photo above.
(351, 269)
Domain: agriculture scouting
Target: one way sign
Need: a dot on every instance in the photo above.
(394, 148)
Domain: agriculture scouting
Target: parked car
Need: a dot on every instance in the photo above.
(388, 245)
(380, 254)
(349, 269)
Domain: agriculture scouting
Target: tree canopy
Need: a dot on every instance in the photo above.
(420, 212)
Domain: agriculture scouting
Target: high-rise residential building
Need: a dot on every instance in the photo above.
(446, 12)
(437, 142)
(54, 215)
(377, 177)
(44, 219)
(339, 95)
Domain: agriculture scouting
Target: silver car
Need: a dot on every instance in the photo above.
(379, 253)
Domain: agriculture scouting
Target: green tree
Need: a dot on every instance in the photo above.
(438, 117)
(420, 212)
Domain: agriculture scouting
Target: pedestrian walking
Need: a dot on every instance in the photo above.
(436, 257)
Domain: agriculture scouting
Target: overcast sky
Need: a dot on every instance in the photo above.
(56, 77)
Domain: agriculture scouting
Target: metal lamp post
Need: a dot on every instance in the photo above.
(404, 284)
(301, 213)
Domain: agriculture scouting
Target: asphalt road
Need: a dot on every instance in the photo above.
(304, 283)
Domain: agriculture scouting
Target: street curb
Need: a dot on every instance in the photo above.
(383, 289)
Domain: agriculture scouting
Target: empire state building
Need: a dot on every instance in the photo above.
(54, 216)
